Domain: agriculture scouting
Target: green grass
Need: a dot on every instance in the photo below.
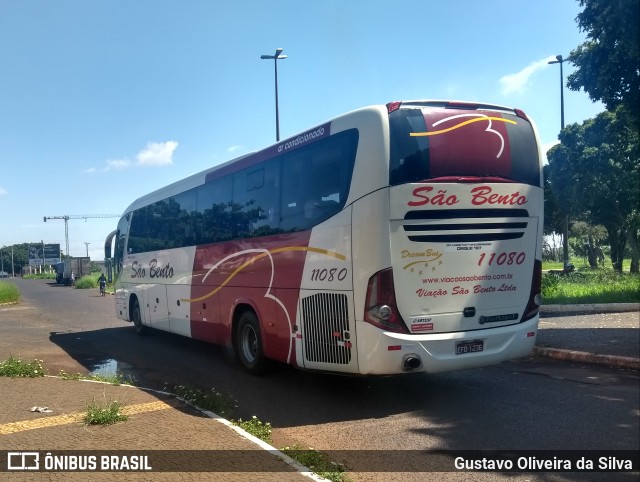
(256, 428)
(117, 379)
(90, 281)
(87, 282)
(582, 263)
(317, 462)
(106, 413)
(213, 401)
(224, 406)
(590, 286)
(8, 293)
(40, 276)
(16, 368)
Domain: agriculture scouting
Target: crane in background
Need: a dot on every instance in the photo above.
(66, 218)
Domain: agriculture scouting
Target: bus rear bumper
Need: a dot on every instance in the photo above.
(385, 353)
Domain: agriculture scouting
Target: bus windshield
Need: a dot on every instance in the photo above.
(432, 142)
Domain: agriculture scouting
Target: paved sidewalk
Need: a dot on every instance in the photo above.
(159, 424)
(612, 338)
(207, 448)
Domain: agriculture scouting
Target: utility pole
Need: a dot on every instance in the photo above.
(565, 228)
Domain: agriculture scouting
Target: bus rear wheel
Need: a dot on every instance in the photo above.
(136, 317)
(249, 343)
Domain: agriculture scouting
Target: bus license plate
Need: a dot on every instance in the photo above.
(469, 347)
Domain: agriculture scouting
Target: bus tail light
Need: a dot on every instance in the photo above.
(392, 106)
(535, 297)
(380, 304)
(521, 114)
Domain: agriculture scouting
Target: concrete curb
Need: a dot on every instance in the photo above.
(584, 357)
(629, 363)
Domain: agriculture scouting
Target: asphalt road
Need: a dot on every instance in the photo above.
(529, 404)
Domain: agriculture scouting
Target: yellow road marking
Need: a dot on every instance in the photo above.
(76, 417)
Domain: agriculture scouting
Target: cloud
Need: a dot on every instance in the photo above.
(518, 82)
(117, 164)
(3, 192)
(233, 149)
(157, 154)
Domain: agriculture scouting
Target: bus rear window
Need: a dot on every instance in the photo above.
(429, 143)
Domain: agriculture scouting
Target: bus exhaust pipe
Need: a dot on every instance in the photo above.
(411, 362)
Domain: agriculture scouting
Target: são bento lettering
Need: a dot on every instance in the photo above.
(154, 269)
(481, 195)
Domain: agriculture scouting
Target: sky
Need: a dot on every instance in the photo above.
(102, 101)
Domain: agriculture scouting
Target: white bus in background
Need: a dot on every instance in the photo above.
(392, 239)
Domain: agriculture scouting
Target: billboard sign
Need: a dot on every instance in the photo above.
(44, 254)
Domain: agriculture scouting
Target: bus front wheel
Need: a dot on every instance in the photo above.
(249, 343)
(136, 317)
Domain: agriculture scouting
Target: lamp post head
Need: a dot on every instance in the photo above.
(277, 56)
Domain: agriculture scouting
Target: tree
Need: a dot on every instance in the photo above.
(608, 62)
(20, 257)
(595, 172)
(587, 242)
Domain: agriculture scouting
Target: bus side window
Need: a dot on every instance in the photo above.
(315, 180)
(293, 192)
(255, 199)
(214, 206)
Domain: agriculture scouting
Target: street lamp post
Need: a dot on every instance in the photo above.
(560, 60)
(565, 228)
(275, 59)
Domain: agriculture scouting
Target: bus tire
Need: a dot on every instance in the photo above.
(136, 317)
(249, 344)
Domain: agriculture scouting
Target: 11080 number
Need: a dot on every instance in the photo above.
(502, 258)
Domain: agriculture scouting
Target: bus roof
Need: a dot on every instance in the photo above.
(200, 177)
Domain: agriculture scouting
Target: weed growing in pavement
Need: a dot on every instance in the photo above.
(104, 414)
(213, 401)
(15, 367)
(117, 379)
(224, 406)
(256, 428)
(317, 462)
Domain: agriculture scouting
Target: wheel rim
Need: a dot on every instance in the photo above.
(249, 343)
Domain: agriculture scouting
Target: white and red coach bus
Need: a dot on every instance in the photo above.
(392, 239)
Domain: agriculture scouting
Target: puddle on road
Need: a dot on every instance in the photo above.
(110, 368)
